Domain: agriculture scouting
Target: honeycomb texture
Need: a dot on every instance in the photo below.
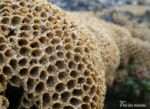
(141, 32)
(132, 51)
(120, 36)
(107, 47)
(129, 47)
(135, 51)
(49, 56)
(121, 45)
(141, 57)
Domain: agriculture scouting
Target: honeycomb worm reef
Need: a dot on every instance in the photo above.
(46, 61)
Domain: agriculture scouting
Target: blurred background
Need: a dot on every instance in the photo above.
(135, 16)
(96, 4)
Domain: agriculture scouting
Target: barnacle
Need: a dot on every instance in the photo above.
(46, 60)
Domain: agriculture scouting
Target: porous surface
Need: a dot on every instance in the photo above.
(141, 59)
(47, 58)
(132, 77)
(124, 41)
(119, 47)
(103, 39)
(141, 32)
(133, 51)
(129, 47)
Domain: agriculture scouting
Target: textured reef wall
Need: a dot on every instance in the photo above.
(46, 60)
(120, 47)
(126, 60)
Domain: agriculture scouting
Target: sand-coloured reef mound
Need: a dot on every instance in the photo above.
(46, 60)
(103, 38)
(118, 47)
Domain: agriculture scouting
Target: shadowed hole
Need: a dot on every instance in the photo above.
(7, 70)
(71, 64)
(71, 84)
(46, 98)
(51, 68)
(89, 81)
(85, 106)
(43, 75)
(33, 61)
(80, 66)
(55, 40)
(25, 27)
(23, 72)
(35, 71)
(62, 75)
(13, 94)
(3, 47)
(26, 20)
(43, 40)
(36, 52)
(22, 62)
(14, 6)
(60, 54)
(65, 96)
(57, 106)
(49, 49)
(86, 99)
(22, 3)
(51, 81)
(43, 14)
(36, 27)
(55, 96)
(34, 44)
(60, 87)
(30, 83)
(69, 55)
(74, 73)
(58, 32)
(77, 92)
(43, 60)
(22, 42)
(15, 20)
(68, 107)
(60, 64)
(2, 40)
(81, 80)
(8, 53)
(24, 51)
(15, 80)
(77, 57)
(68, 46)
(52, 58)
(75, 101)
(86, 87)
(4, 28)
(36, 20)
(39, 87)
